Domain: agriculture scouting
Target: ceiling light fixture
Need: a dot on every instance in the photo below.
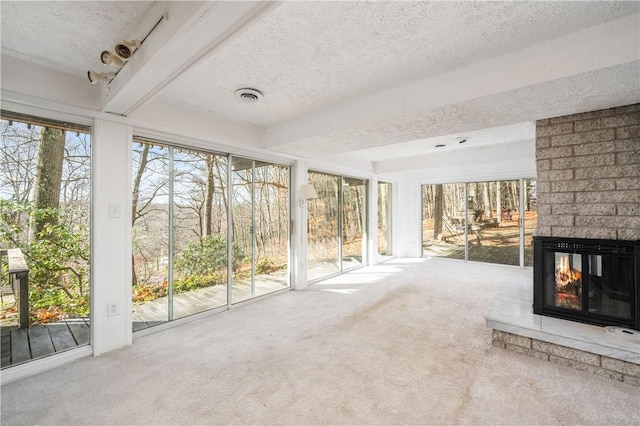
(124, 50)
(248, 95)
(108, 58)
(462, 140)
(95, 77)
(440, 145)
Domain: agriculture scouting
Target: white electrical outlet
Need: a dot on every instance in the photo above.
(113, 309)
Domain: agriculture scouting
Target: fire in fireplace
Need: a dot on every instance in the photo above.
(592, 281)
(568, 281)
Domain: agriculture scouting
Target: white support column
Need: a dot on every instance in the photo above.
(407, 218)
(111, 304)
(299, 228)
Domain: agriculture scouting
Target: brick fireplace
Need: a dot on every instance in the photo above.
(586, 252)
(588, 174)
(588, 182)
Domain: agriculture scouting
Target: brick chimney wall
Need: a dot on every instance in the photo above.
(588, 174)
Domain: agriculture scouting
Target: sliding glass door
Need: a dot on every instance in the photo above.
(260, 211)
(199, 238)
(384, 220)
(337, 224)
(489, 221)
(443, 220)
(530, 217)
(179, 233)
(494, 225)
(45, 237)
(323, 225)
(188, 257)
(354, 222)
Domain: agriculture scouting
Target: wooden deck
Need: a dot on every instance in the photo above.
(21, 345)
(156, 312)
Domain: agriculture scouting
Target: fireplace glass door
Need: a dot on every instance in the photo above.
(609, 279)
(592, 281)
(564, 282)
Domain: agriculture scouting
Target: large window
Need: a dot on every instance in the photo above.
(384, 220)
(530, 207)
(260, 228)
(323, 230)
(188, 257)
(480, 221)
(45, 211)
(494, 213)
(354, 222)
(443, 220)
(337, 224)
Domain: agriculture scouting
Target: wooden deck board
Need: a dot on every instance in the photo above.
(81, 333)
(5, 340)
(19, 346)
(155, 312)
(40, 342)
(61, 337)
(5, 361)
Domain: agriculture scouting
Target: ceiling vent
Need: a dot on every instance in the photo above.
(248, 95)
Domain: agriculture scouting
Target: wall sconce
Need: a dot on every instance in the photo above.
(306, 192)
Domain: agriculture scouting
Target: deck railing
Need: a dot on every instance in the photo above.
(19, 282)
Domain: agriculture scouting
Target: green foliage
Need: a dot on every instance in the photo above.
(202, 264)
(148, 292)
(57, 257)
(266, 265)
(12, 222)
(207, 257)
(198, 281)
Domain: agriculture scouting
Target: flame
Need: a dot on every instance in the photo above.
(568, 285)
(565, 275)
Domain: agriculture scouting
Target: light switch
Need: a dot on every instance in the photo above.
(114, 211)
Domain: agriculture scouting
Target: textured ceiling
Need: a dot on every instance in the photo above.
(305, 56)
(311, 59)
(69, 35)
(474, 138)
(595, 90)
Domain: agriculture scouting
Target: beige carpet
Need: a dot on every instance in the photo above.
(400, 343)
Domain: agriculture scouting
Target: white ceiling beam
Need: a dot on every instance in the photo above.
(187, 33)
(610, 44)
